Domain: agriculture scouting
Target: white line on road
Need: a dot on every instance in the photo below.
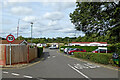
(54, 56)
(79, 72)
(48, 57)
(27, 76)
(5, 72)
(15, 74)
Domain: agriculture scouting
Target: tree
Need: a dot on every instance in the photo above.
(95, 17)
(114, 33)
(20, 38)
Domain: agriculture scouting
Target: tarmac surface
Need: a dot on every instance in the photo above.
(58, 66)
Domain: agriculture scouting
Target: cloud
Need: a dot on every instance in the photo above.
(21, 10)
(52, 23)
(30, 18)
(41, 0)
(63, 5)
(6, 21)
(67, 30)
(53, 15)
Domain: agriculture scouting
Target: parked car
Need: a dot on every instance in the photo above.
(66, 50)
(70, 49)
(101, 51)
(53, 47)
(76, 50)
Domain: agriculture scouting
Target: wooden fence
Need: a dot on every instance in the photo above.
(2, 55)
(19, 54)
(32, 56)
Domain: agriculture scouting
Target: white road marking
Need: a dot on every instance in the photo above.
(48, 57)
(91, 65)
(97, 66)
(27, 76)
(15, 74)
(54, 56)
(79, 66)
(79, 72)
(5, 72)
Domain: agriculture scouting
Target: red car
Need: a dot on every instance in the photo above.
(101, 51)
(76, 50)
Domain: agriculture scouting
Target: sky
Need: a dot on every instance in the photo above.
(50, 18)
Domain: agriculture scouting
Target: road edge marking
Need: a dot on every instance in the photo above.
(5, 72)
(27, 76)
(15, 74)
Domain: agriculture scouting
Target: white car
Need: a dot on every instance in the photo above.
(53, 47)
(66, 50)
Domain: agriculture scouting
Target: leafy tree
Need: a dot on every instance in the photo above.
(20, 38)
(95, 17)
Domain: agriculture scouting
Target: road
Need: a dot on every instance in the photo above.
(57, 66)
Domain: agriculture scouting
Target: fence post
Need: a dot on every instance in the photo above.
(28, 55)
(5, 55)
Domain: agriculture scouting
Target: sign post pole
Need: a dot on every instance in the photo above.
(10, 54)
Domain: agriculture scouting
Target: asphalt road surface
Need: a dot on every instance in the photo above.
(57, 66)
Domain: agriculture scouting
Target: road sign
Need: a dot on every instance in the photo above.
(10, 38)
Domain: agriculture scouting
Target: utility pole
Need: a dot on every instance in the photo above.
(18, 28)
(31, 32)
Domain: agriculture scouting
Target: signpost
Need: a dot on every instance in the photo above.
(10, 38)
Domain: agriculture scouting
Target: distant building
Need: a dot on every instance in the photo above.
(16, 42)
(88, 44)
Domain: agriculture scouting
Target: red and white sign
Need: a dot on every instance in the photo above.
(10, 38)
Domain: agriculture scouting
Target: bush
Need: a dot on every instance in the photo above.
(40, 51)
(114, 47)
(102, 58)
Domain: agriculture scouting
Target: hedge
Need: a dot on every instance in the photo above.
(87, 48)
(40, 51)
(102, 58)
(114, 47)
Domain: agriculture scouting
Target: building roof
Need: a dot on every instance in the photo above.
(15, 42)
(90, 42)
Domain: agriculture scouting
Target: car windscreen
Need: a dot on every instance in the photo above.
(97, 50)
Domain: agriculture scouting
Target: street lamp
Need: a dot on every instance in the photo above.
(31, 32)
(18, 28)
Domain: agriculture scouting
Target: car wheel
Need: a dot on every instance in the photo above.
(72, 53)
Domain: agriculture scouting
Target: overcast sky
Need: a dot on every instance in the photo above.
(51, 19)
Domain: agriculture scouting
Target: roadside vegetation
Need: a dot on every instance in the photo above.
(102, 58)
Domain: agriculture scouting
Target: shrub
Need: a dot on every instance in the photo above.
(102, 58)
(114, 47)
(40, 51)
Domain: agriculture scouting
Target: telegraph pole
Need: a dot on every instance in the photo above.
(31, 32)
(18, 28)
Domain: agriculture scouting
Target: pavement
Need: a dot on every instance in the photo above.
(58, 66)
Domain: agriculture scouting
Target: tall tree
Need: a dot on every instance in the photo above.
(95, 17)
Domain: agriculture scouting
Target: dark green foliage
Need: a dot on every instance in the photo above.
(114, 47)
(40, 51)
(102, 58)
(95, 17)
